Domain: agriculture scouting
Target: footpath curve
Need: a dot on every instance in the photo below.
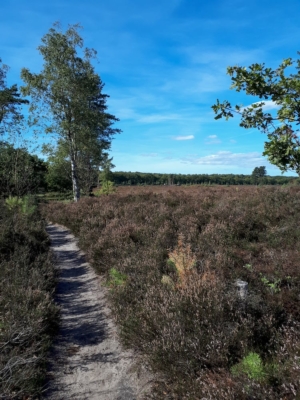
(87, 360)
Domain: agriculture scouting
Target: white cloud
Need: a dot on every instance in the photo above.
(149, 155)
(269, 105)
(227, 158)
(126, 113)
(222, 56)
(192, 81)
(212, 139)
(150, 119)
(188, 137)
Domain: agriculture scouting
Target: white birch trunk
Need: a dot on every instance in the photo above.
(76, 189)
(75, 182)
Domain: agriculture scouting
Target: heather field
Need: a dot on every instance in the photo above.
(172, 256)
(28, 315)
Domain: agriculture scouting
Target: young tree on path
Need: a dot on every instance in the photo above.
(67, 98)
(281, 92)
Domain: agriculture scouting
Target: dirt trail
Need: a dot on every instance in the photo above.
(87, 361)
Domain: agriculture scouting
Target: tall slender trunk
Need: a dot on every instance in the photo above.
(74, 175)
(75, 183)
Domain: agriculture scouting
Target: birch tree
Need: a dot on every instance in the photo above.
(67, 98)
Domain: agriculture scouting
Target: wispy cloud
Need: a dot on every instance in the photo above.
(187, 137)
(268, 105)
(227, 158)
(124, 113)
(149, 155)
(212, 139)
(192, 81)
(152, 119)
(222, 57)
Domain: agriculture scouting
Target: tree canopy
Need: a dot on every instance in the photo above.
(67, 100)
(258, 173)
(21, 173)
(10, 100)
(282, 92)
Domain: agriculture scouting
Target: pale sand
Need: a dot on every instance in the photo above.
(87, 360)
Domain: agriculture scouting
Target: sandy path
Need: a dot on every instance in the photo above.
(87, 361)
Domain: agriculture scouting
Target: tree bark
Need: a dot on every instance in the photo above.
(76, 188)
(74, 174)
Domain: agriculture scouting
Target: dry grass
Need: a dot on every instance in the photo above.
(183, 260)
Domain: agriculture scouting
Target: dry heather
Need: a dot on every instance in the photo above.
(172, 260)
(28, 316)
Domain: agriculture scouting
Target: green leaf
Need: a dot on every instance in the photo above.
(271, 85)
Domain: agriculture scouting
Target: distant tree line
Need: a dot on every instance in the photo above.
(141, 178)
(23, 173)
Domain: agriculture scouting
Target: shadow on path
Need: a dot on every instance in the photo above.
(86, 360)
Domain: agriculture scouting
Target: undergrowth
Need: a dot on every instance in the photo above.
(172, 260)
(28, 316)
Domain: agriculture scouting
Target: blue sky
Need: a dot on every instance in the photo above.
(164, 65)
